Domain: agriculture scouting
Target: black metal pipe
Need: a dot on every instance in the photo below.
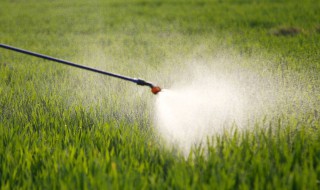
(135, 80)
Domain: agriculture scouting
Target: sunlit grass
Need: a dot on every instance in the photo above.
(63, 128)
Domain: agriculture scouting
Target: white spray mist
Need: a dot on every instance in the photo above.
(221, 95)
(202, 105)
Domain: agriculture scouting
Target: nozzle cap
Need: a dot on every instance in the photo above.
(155, 89)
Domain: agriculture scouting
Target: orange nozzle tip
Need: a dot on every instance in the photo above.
(155, 89)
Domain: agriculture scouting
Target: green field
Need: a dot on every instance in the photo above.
(65, 128)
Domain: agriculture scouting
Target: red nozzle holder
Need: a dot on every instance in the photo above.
(155, 89)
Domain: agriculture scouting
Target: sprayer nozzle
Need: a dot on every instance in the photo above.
(155, 89)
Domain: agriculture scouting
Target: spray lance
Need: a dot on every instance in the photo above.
(154, 88)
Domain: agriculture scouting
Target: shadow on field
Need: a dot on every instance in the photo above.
(286, 31)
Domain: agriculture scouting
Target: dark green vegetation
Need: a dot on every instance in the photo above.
(65, 128)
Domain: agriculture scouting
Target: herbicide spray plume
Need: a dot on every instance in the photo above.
(225, 96)
(189, 112)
